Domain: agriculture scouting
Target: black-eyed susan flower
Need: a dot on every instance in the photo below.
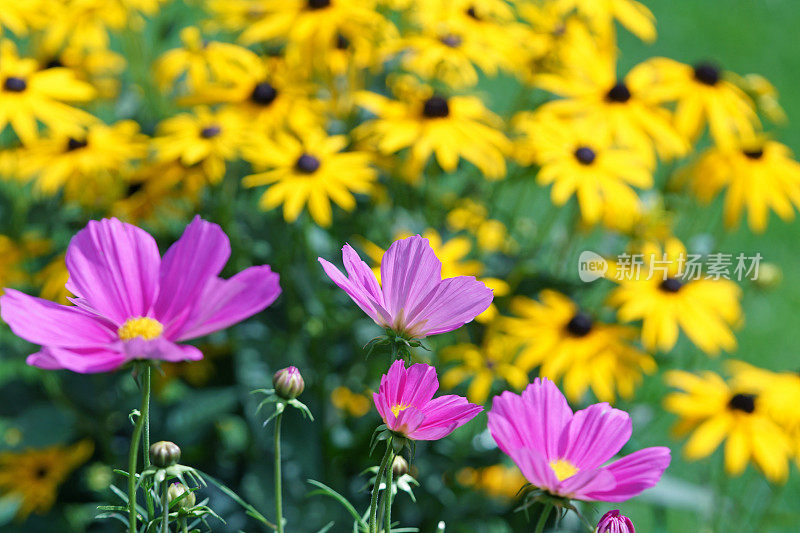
(14, 256)
(204, 137)
(703, 95)
(34, 475)
(758, 176)
(578, 159)
(18, 17)
(763, 93)
(499, 481)
(483, 366)
(427, 123)
(202, 61)
(28, 94)
(453, 255)
(715, 411)
(568, 344)
(311, 170)
(624, 106)
(86, 165)
(352, 403)
(668, 296)
(601, 14)
(490, 234)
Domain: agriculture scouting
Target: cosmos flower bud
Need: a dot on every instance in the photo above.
(288, 383)
(164, 453)
(399, 466)
(614, 522)
(176, 490)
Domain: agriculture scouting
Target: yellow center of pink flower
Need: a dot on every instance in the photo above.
(399, 407)
(140, 327)
(563, 469)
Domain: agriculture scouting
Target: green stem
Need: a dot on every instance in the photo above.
(373, 506)
(165, 508)
(278, 496)
(387, 516)
(182, 523)
(543, 517)
(146, 442)
(134, 452)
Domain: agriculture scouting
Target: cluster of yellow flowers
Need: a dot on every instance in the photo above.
(293, 89)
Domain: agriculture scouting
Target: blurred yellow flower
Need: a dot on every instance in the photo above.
(484, 365)
(758, 176)
(432, 124)
(352, 403)
(53, 280)
(14, 254)
(714, 410)
(204, 138)
(567, 343)
(499, 480)
(658, 294)
(601, 15)
(34, 475)
(309, 169)
(28, 94)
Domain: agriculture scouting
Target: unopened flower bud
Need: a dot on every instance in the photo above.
(614, 522)
(176, 490)
(399, 466)
(164, 453)
(288, 383)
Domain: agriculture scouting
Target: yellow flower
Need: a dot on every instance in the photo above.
(18, 17)
(452, 254)
(432, 124)
(99, 67)
(483, 365)
(566, 343)
(14, 254)
(202, 62)
(758, 177)
(352, 403)
(658, 294)
(601, 15)
(309, 169)
(625, 108)
(703, 96)
(34, 475)
(499, 480)
(578, 159)
(491, 235)
(763, 93)
(715, 411)
(28, 95)
(87, 165)
(53, 279)
(204, 138)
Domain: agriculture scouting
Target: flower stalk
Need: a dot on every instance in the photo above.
(144, 417)
(278, 488)
(548, 507)
(165, 509)
(373, 506)
(387, 516)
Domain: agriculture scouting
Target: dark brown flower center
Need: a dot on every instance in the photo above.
(472, 14)
(585, 155)
(76, 144)
(619, 93)
(307, 164)
(210, 131)
(318, 4)
(54, 63)
(706, 73)
(753, 154)
(342, 42)
(436, 107)
(15, 85)
(453, 41)
(671, 285)
(743, 402)
(264, 93)
(579, 325)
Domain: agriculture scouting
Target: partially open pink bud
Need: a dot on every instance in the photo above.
(614, 522)
(288, 383)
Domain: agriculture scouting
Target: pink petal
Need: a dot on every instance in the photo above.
(594, 435)
(360, 286)
(82, 360)
(410, 270)
(450, 305)
(585, 482)
(406, 422)
(418, 385)
(189, 264)
(535, 468)
(114, 267)
(159, 349)
(634, 473)
(50, 324)
(443, 415)
(226, 302)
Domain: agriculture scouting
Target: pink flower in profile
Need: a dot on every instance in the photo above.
(413, 299)
(614, 522)
(405, 402)
(132, 304)
(563, 453)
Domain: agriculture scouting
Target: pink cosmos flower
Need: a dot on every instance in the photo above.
(563, 452)
(132, 304)
(614, 522)
(413, 301)
(405, 402)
